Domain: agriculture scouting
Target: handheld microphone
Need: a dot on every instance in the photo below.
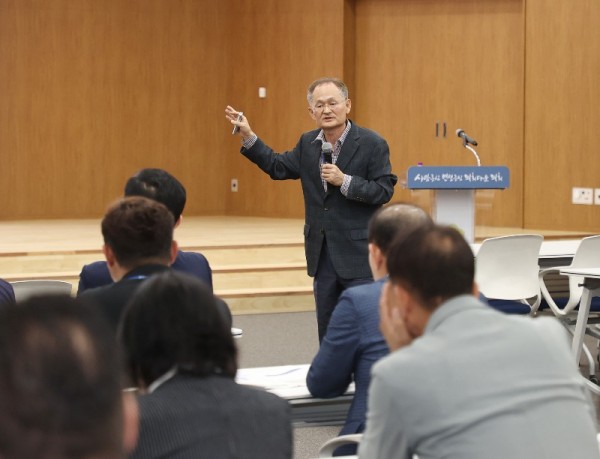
(463, 135)
(327, 150)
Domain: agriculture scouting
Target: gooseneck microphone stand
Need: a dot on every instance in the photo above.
(469, 147)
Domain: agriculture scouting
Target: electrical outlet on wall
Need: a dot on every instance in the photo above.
(597, 196)
(582, 196)
(234, 185)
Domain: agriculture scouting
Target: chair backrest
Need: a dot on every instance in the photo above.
(586, 256)
(27, 288)
(507, 267)
(332, 444)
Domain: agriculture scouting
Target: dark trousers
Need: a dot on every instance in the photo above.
(327, 287)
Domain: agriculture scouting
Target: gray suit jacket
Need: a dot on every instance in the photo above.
(341, 219)
(480, 384)
(189, 417)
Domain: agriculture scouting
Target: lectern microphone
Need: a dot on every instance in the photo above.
(463, 135)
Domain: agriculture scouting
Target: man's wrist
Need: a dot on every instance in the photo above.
(248, 142)
(346, 184)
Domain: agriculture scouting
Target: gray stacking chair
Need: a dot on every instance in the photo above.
(26, 288)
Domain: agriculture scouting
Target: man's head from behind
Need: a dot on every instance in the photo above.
(159, 185)
(385, 225)
(138, 231)
(431, 265)
(60, 383)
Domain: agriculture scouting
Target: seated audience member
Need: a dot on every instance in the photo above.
(462, 379)
(61, 383)
(161, 186)
(180, 353)
(7, 294)
(353, 342)
(138, 242)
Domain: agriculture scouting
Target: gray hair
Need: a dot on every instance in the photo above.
(336, 81)
(394, 219)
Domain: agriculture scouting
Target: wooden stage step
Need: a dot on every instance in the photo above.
(258, 263)
(269, 300)
(254, 274)
(224, 277)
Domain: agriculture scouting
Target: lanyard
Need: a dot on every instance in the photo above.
(139, 277)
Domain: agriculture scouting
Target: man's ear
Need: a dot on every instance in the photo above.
(475, 290)
(174, 251)
(348, 106)
(404, 301)
(376, 255)
(131, 421)
(312, 113)
(109, 254)
(412, 311)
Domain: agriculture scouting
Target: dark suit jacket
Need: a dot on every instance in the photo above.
(7, 294)
(189, 417)
(342, 220)
(113, 298)
(352, 344)
(97, 275)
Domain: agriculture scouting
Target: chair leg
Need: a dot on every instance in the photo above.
(588, 354)
(591, 363)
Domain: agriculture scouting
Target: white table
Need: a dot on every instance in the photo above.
(591, 288)
(289, 383)
(559, 248)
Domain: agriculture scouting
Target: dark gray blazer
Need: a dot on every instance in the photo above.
(342, 220)
(190, 417)
(112, 299)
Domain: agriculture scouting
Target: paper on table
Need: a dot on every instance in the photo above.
(286, 381)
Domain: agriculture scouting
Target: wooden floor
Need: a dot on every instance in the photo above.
(81, 236)
(258, 263)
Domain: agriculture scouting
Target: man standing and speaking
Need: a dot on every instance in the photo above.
(346, 176)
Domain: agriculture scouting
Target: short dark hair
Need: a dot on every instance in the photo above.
(389, 221)
(159, 185)
(60, 381)
(173, 322)
(435, 263)
(336, 81)
(138, 228)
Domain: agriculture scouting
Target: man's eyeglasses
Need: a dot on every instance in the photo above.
(332, 104)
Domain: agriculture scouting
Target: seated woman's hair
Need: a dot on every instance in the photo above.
(173, 322)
